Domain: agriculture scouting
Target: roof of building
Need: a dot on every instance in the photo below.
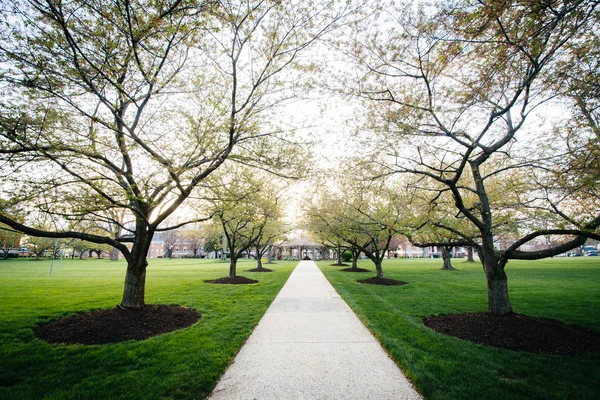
(299, 242)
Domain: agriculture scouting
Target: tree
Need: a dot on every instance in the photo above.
(363, 213)
(452, 89)
(9, 239)
(195, 238)
(169, 239)
(323, 219)
(397, 242)
(442, 239)
(100, 249)
(434, 224)
(126, 108)
(80, 246)
(273, 231)
(328, 227)
(374, 216)
(470, 254)
(245, 207)
(212, 240)
(39, 245)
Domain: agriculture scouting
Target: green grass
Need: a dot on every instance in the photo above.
(443, 367)
(178, 365)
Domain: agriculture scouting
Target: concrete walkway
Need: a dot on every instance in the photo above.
(310, 345)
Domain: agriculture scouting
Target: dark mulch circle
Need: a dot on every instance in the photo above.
(382, 281)
(238, 280)
(339, 265)
(117, 324)
(517, 332)
(355, 270)
(260, 270)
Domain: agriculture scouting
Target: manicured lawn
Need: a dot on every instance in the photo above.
(443, 367)
(179, 365)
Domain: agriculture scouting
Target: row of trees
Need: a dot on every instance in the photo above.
(114, 114)
(358, 215)
(247, 206)
(489, 110)
(246, 209)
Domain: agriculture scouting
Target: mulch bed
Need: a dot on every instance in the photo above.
(238, 280)
(355, 270)
(117, 324)
(339, 265)
(382, 281)
(517, 332)
(260, 270)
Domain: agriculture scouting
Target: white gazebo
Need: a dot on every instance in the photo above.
(301, 248)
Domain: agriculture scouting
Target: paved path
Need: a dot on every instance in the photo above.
(310, 345)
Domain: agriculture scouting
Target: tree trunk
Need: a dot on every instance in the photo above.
(232, 265)
(470, 254)
(258, 259)
(355, 254)
(379, 269)
(498, 301)
(446, 256)
(135, 283)
(339, 256)
(269, 256)
(135, 277)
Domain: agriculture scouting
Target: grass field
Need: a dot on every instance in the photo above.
(188, 363)
(443, 367)
(179, 365)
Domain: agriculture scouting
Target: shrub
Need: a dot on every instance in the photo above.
(346, 256)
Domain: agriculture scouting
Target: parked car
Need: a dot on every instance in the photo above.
(574, 254)
(591, 253)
